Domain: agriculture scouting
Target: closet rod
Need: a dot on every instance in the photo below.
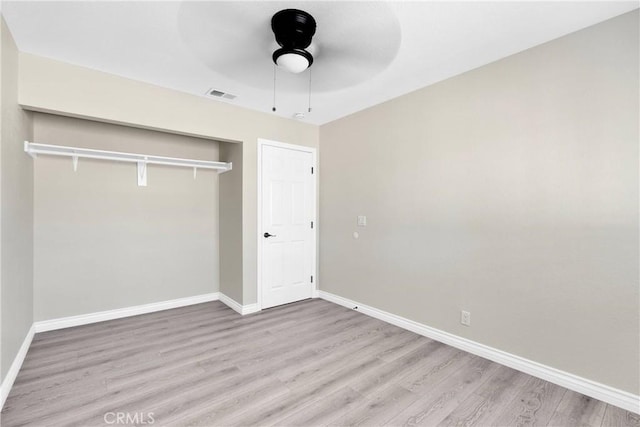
(33, 149)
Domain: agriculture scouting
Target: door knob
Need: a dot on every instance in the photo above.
(267, 235)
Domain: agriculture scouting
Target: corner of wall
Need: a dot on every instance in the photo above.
(16, 207)
(231, 244)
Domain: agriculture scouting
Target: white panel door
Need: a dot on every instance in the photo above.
(288, 205)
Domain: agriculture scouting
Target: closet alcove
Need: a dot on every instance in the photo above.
(102, 241)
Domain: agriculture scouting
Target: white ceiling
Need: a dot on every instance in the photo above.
(365, 52)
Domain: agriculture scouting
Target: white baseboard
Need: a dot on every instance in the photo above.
(237, 307)
(613, 396)
(9, 379)
(250, 308)
(101, 316)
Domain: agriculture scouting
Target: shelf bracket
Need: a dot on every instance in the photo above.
(74, 159)
(228, 168)
(195, 173)
(142, 174)
(28, 150)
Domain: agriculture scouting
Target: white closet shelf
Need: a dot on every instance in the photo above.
(142, 160)
(33, 148)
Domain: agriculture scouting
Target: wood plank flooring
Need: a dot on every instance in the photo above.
(311, 363)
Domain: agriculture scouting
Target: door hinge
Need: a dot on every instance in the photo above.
(311, 279)
(311, 170)
(311, 224)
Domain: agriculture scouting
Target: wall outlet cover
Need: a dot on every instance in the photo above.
(465, 318)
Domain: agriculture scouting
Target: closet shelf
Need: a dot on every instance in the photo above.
(142, 160)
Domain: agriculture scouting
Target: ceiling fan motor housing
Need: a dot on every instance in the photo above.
(294, 30)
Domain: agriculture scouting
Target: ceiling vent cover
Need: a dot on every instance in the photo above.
(215, 93)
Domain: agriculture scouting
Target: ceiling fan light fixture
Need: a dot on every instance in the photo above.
(293, 30)
(293, 60)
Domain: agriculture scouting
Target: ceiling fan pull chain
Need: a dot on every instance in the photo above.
(274, 88)
(309, 109)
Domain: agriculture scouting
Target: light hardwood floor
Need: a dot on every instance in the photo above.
(311, 363)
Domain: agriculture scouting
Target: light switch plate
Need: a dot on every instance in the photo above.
(362, 221)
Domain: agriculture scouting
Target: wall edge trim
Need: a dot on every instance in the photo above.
(12, 373)
(237, 307)
(605, 393)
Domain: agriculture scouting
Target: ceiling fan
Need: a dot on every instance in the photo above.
(242, 40)
(294, 30)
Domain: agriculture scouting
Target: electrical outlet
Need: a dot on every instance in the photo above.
(465, 318)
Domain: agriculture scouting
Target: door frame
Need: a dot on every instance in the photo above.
(314, 200)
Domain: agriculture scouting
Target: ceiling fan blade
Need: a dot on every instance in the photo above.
(235, 39)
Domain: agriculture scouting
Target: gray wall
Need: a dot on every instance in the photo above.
(510, 191)
(231, 223)
(16, 231)
(102, 242)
